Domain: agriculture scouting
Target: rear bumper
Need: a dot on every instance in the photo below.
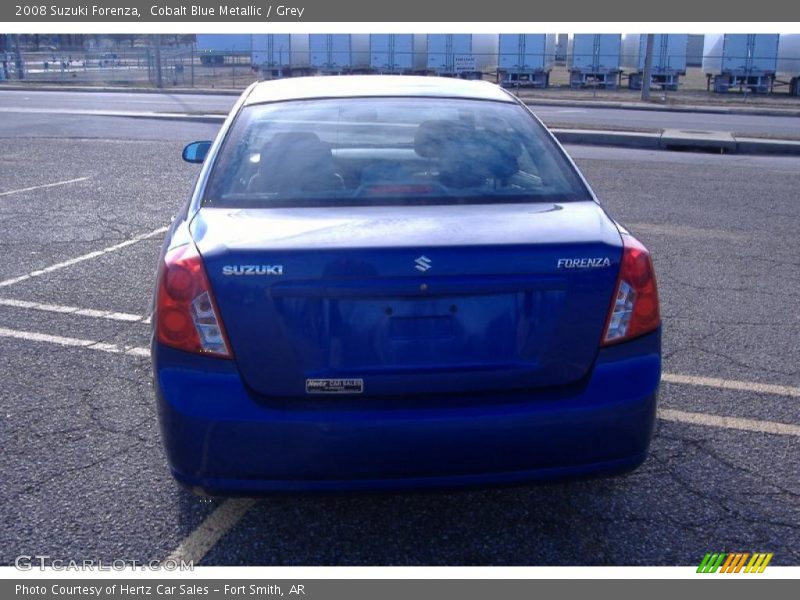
(221, 440)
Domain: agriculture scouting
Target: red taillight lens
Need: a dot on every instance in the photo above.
(634, 308)
(186, 315)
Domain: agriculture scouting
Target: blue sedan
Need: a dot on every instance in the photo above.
(397, 282)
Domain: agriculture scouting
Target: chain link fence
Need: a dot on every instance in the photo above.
(183, 66)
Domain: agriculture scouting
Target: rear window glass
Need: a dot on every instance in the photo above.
(379, 151)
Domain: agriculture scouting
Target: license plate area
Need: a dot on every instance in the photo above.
(421, 327)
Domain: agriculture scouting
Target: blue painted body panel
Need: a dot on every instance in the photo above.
(494, 311)
(222, 438)
(484, 368)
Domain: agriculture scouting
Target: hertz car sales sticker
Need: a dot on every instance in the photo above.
(334, 386)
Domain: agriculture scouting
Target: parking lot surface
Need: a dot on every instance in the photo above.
(84, 202)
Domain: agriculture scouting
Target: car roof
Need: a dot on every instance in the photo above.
(355, 86)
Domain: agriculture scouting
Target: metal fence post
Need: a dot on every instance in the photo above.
(159, 76)
(18, 59)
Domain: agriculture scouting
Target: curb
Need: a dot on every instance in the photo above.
(120, 90)
(677, 108)
(675, 140)
(187, 118)
(669, 139)
(594, 137)
(760, 146)
(124, 114)
(530, 101)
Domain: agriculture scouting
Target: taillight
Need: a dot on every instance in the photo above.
(186, 315)
(634, 308)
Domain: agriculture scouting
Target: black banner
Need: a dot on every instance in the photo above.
(444, 11)
(396, 589)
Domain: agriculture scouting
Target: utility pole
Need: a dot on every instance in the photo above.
(159, 79)
(648, 67)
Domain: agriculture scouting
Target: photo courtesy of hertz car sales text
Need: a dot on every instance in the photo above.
(397, 282)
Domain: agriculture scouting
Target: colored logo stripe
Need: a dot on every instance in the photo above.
(758, 563)
(711, 563)
(734, 561)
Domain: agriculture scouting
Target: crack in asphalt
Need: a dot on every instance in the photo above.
(716, 498)
(740, 363)
(67, 471)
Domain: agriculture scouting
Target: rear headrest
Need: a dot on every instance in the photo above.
(432, 136)
(294, 143)
(296, 161)
(467, 156)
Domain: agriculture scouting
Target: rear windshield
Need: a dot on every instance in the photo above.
(388, 151)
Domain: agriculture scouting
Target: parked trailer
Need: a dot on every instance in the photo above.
(213, 48)
(594, 59)
(669, 59)
(526, 59)
(339, 52)
(280, 54)
(461, 54)
(741, 60)
(395, 53)
(789, 61)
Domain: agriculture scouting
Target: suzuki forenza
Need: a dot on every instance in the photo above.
(397, 282)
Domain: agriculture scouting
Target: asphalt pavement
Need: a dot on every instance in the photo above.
(21, 102)
(83, 204)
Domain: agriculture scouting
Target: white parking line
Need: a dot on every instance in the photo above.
(772, 427)
(33, 336)
(74, 310)
(741, 424)
(83, 257)
(210, 531)
(39, 187)
(666, 414)
(732, 384)
(694, 380)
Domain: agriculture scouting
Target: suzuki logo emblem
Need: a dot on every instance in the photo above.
(422, 264)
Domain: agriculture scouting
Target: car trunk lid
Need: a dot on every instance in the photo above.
(412, 299)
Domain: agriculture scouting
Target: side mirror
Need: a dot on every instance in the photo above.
(196, 152)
